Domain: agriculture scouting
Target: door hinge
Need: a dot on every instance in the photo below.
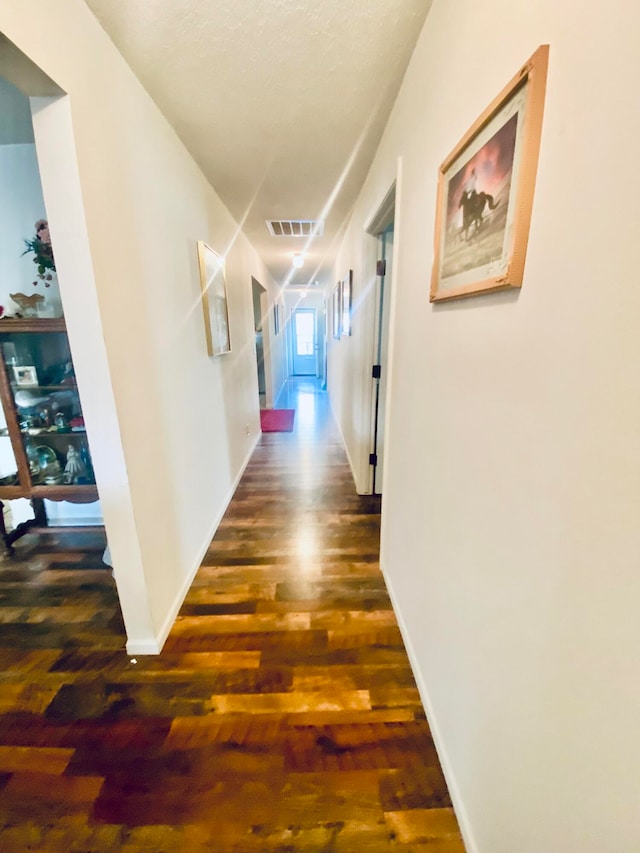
(373, 459)
(376, 371)
(381, 267)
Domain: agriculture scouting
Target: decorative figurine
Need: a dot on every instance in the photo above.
(28, 305)
(75, 467)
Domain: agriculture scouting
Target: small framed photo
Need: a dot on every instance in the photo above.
(347, 299)
(25, 375)
(276, 318)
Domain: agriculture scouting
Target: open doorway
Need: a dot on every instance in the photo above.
(382, 229)
(307, 299)
(57, 471)
(45, 482)
(258, 291)
(304, 342)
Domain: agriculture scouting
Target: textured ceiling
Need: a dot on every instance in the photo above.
(281, 102)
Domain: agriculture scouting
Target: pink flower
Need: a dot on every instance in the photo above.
(42, 231)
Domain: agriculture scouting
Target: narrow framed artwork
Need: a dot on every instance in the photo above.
(276, 318)
(347, 300)
(282, 314)
(337, 311)
(214, 300)
(485, 191)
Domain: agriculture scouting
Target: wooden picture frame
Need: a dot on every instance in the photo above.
(485, 191)
(347, 303)
(337, 311)
(214, 300)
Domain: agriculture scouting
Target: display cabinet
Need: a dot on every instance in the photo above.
(43, 442)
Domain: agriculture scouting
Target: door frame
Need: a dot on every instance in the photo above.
(258, 290)
(386, 212)
(293, 338)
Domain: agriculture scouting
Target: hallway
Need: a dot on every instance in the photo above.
(282, 714)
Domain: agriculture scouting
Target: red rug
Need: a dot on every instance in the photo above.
(277, 420)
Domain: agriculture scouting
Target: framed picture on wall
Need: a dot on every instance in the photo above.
(337, 310)
(347, 299)
(276, 318)
(485, 191)
(214, 300)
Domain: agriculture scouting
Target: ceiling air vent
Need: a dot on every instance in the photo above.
(295, 227)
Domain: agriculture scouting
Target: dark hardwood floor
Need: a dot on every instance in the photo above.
(282, 714)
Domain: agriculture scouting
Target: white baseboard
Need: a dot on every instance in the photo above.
(280, 390)
(153, 646)
(454, 792)
(346, 449)
(143, 647)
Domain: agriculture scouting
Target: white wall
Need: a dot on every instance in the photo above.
(22, 205)
(170, 428)
(511, 540)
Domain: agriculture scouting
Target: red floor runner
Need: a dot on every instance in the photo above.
(277, 420)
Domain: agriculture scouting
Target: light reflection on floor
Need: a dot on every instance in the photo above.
(311, 404)
(306, 409)
(306, 542)
(313, 415)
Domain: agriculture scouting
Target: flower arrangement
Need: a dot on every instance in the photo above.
(40, 245)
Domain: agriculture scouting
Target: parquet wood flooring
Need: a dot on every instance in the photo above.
(282, 714)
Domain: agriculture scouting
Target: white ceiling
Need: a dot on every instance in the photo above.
(281, 102)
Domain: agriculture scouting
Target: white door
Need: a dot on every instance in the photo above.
(304, 342)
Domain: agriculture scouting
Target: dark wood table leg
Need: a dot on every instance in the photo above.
(3, 530)
(39, 520)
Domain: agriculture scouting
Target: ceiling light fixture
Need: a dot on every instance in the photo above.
(298, 260)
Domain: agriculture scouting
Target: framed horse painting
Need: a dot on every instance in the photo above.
(485, 191)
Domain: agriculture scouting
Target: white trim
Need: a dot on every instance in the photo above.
(153, 646)
(346, 449)
(454, 792)
(275, 399)
(143, 647)
(384, 214)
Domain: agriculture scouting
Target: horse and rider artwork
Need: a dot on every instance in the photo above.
(485, 191)
(478, 203)
(473, 205)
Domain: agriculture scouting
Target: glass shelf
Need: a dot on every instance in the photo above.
(50, 389)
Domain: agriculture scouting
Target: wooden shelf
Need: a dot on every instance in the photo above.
(46, 433)
(83, 494)
(12, 493)
(32, 324)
